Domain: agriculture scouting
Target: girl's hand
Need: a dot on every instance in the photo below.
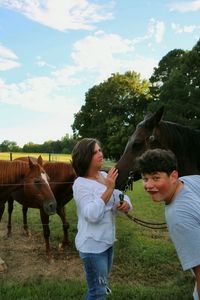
(111, 178)
(124, 207)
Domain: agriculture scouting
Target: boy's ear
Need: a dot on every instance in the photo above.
(174, 175)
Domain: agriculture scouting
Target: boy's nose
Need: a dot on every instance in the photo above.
(149, 184)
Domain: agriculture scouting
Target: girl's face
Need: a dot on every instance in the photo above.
(97, 159)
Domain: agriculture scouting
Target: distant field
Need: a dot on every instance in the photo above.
(46, 156)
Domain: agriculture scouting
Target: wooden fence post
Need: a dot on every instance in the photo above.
(10, 156)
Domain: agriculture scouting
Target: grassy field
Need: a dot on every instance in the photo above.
(145, 265)
(45, 156)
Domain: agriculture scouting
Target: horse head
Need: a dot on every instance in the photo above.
(36, 187)
(143, 138)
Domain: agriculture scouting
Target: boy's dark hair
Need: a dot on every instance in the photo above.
(82, 155)
(157, 160)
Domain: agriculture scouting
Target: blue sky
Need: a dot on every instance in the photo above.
(53, 51)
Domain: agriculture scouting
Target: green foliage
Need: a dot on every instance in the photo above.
(111, 111)
(65, 145)
(10, 146)
(171, 61)
(176, 85)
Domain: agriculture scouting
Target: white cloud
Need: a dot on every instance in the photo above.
(8, 59)
(94, 59)
(40, 94)
(42, 63)
(63, 14)
(184, 29)
(156, 29)
(68, 76)
(143, 65)
(105, 54)
(7, 53)
(185, 6)
(98, 50)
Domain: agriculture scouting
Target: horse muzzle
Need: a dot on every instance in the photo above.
(50, 207)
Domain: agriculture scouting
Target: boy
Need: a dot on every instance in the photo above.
(158, 168)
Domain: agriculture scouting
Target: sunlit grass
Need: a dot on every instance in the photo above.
(45, 156)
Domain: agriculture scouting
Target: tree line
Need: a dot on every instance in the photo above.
(65, 146)
(113, 108)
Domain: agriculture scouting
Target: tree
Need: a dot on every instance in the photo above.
(180, 90)
(67, 144)
(9, 146)
(168, 63)
(111, 111)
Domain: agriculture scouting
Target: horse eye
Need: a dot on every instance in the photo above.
(137, 145)
(37, 181)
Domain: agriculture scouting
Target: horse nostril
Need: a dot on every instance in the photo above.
(50, 207)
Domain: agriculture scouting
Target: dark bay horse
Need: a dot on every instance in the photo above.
(28, 177)
(62, 176)
(153, 132)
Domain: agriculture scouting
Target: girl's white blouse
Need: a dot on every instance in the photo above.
(96, 220)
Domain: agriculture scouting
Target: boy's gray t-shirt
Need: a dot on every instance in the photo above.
(183, 220)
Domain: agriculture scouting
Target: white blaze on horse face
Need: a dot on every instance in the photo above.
(44, 177)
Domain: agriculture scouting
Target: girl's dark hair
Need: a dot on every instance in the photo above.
(157, 160)
(82, 155)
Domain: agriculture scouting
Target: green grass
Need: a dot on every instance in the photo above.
(145, 264)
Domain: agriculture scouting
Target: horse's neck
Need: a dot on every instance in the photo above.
(185, 143)
(12, 172)
(59, 171)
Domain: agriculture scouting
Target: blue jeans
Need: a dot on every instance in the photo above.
(97, 267)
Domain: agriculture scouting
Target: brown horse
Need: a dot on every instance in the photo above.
(62, 176)
(28, 177)
(153, 132)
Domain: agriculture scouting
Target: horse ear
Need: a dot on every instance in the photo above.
(159, 113)
(31, 163)
(156, 117)
(40, 160)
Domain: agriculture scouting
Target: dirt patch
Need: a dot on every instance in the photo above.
(25, 258)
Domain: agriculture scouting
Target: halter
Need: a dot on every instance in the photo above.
(129, 185)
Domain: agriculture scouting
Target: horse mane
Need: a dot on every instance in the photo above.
(12, 171)
(180, 135)
(184, 141)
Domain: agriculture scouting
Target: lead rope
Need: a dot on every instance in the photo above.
(151, 225)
